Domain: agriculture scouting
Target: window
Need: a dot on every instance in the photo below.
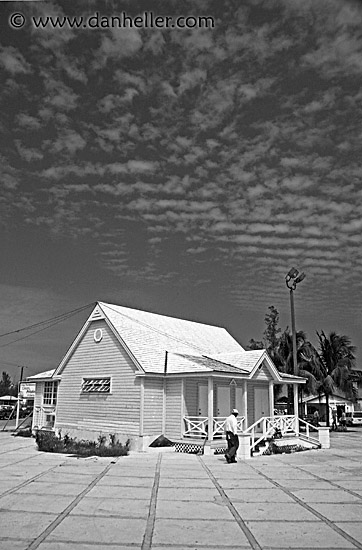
(50, 393)
(96, 385)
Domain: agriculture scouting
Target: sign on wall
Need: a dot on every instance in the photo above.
(27, 390)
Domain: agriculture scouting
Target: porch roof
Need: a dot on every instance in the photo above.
(183, 363)
(41, 376)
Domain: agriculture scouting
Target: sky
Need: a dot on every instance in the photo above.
(182, 171)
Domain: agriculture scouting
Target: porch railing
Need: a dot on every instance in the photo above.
(198, 426)
(286, 424)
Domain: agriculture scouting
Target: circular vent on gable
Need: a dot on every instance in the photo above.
(98, 335)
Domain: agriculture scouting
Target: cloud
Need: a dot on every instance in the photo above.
(60, 96)
(27, 121)
(116, 44)
(28, 154)
(13, 61)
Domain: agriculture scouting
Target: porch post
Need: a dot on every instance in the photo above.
(164, 406)
(296, 405)
(182, 424)
(142, 406)
(245, 404)
(210, 406)
(271, 398)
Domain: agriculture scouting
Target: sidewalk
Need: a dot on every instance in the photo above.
(163, 500)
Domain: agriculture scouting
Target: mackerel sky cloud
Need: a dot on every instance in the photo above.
(183, 171)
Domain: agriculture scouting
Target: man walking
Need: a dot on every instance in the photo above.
(232, 437)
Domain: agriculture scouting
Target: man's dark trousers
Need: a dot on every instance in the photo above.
(233, 445)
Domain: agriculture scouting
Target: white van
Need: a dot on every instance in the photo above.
(354, 418)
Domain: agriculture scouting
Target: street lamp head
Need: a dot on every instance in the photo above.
(293, 277)
(292, 273)
(300, 278)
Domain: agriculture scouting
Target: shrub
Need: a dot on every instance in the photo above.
(49, 442)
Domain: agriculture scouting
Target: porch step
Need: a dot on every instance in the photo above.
(260, 451)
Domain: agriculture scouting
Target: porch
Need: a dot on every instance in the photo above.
(207, 402)
(284, 430)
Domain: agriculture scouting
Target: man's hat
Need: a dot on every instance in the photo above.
(235, 411)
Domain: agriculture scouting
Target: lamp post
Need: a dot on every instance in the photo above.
(292, 278)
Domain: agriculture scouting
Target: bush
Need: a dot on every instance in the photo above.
(49, 442)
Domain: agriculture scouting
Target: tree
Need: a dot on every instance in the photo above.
(255, 344)
(337, 356)
(270, 339)
(5, 384)
(271, 333)
(308, 361)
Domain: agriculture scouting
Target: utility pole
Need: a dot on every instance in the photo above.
(292, 278)
(22, 367)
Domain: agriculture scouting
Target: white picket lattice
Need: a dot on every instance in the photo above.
(198, 426)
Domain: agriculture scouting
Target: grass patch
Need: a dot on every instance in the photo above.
(49, 442)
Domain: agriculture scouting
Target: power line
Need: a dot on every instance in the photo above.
(61, 317)
(49, 323)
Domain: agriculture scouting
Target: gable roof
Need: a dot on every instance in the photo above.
(149, 335)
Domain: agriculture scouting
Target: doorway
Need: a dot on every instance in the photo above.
(202, 400)
(261, 402)
(223, 400)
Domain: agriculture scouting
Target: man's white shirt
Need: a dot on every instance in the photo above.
(231, 424)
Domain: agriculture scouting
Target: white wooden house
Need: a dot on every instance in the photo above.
(139, 375)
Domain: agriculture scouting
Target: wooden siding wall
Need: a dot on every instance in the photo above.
(117, 412)
(153, 406)
(173, 409)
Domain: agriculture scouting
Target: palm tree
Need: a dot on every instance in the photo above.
(308, 361)
(337, 356)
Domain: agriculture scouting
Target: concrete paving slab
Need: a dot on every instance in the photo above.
(181, 483)
(258, 495)
(108, 491)
(54, 489)
(81, 546)
(269, 511)
(334, 512)
(28, 524)
(353, 485)
(328, 495)
(354, 529)
(35, 503)
(98, 530)
(12, 544)
(236, 483)
(61, 477)
(125, 507)
(126, 481)
(313, 484)
(187, 493)
(218, 534)
(297, 534)
(216, 510)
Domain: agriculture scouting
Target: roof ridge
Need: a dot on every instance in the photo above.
(155, 329)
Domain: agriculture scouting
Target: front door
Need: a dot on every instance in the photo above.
(203, 408)
(261, 407)
(223, 401)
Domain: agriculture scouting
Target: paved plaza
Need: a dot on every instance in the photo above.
(163, 500)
